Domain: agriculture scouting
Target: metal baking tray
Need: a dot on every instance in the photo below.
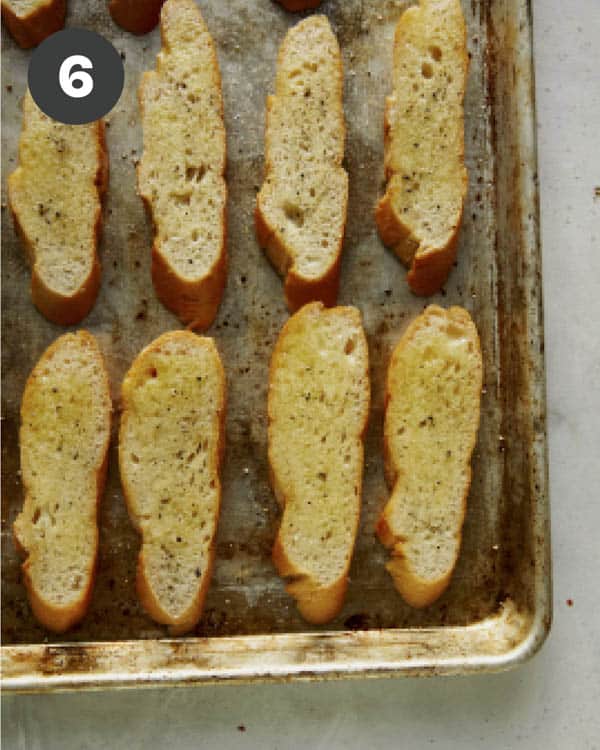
(497, 610)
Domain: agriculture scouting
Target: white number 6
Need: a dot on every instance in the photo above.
(66, 78)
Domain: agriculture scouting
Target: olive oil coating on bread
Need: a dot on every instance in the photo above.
(433, 392)
(55, 198)
(301, 208)
(64, 436)
(181, 173)
(318, 407)
(420, 214)
(170, 449)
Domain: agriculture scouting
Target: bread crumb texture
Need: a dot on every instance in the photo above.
(433, 394)
(318, 408)
(181, 173)
(420, 214)
(170, 446)
(55, 197)
(301, 207)
(65, 430)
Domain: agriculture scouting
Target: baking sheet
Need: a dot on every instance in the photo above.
(497, 608)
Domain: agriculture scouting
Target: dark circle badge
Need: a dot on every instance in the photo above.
(76, 76)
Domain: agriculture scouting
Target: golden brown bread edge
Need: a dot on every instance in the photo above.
(144, 590)
(56, 619)
(298, 290)
(152, 605)
(136, 16)
(149, 602)
(28, 31)
(317, 606)
(295, 6)
(196, 303)
(66, 310)
(416, 592)
(59, 620)
(428, 271)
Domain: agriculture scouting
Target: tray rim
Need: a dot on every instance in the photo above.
(181, 662)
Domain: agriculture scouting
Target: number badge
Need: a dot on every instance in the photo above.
(76, 76)
(67, 78)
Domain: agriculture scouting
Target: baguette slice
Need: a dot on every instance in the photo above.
(55, 198)
(318, 408)
(294, 6)
(170, 449)
(301, 208)
(65, 431)
(137, 16)
(31, 21)
(181, 173)
(421, 211)
(433, 393)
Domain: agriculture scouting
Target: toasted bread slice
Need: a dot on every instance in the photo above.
(170, 449)
(55, 198)
(433, 393)
(421, 211)
(301, 207)
(319, 396)
(137, 16)
(31, 21)
(294, 6)
(65, 431)
(181, 173)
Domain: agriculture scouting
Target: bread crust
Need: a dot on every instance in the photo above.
(189, 619)
(295, 6)
(428, 270)
(59, 308)
(416, 591)
(31, 29)
(299, 290)
(316, 603)
(428, 267)
(137, 16)
(196, 302)
(52, 617)
(150, 602)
